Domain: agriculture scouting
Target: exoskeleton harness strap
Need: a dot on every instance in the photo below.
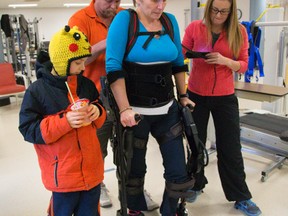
(134, 30)
(254, 36)
(121, 141)
(149, 85)
(198, 151)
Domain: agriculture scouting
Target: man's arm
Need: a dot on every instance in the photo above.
(96, 50)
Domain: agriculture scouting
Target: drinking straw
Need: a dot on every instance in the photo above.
(70, 92)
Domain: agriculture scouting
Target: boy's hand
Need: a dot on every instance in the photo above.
(76, 118)
(93, 112)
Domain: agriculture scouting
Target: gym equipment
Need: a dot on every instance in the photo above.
(20, 43)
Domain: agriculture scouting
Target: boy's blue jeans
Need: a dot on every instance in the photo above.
(81, 203)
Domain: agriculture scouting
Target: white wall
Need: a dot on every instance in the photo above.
(244, 6)
(177, 8)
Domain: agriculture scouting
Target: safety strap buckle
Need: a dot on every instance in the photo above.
(159, 79)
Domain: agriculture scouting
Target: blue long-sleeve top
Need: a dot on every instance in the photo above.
(160, 49)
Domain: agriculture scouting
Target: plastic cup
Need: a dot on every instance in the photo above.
(82, 105)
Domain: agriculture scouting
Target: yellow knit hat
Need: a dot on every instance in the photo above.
(66, 46)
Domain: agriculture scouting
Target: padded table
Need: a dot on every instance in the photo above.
(259, 92)
(267, 136)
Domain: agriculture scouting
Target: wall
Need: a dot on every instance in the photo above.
(244, 6)
(177, 8)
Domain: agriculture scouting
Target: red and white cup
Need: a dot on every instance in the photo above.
(82, 106)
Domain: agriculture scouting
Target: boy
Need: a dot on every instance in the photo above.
(68, 152)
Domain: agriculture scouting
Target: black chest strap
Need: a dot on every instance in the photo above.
(134, 30)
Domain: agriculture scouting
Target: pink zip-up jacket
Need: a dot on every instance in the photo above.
(209, 79)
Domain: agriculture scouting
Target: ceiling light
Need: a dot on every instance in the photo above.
(75, 4)
(22, 5)
(126, 5)
(86, 4)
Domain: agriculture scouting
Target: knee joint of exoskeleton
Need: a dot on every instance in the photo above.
(175, 131)
(140, 143)
(179, 190)
(135, 186)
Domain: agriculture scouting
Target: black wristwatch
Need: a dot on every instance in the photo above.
(183, 95)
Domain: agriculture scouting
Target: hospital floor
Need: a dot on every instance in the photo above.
(22, 192)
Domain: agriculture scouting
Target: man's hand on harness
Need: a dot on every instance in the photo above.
(128, 117)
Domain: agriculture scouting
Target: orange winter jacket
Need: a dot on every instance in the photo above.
(73, 162)
(70, 159)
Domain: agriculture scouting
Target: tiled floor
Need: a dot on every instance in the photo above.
(22, 192)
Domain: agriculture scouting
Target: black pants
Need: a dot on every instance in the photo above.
(173, 160)
(225, 113)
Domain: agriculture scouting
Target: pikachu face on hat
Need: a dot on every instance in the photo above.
(67, 45)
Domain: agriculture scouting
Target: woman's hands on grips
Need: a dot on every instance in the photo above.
(129, 118)
(185, 101)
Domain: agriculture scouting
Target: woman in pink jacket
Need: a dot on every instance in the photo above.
(211, 87)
